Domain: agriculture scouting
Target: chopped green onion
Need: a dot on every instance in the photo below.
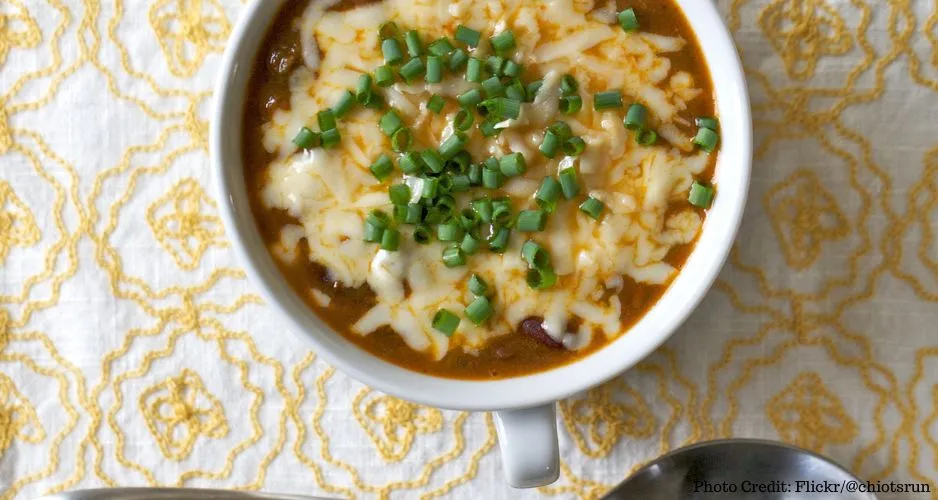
(609, 99)
(363, 88)
(390, 240)
(470, 98)
(463, 120)
(432, 160)
(409, 163)
(636, 117)
(468, 219)
(422, 234)
(384, 76)
(647, 137)
(549, 145)
(571, 104)
(502, 107)
(460, 162)
(530, 221)
(516, 91)
(469, 244)
(401, 140)
(378, 218)
(568, 183)
(479, 310)
(446, 186)
(452, 145)
(412, 69)
(474, 70)
(441, 47)
(574, 146)
(446, 204)
(468, 36)
(548, 194)
(488, 128)
(535, 255)
(399, 194)
(708, 122)
(344, 104)
(414, 213)
(532, 89)
(445, 322)
(306, 139)
(483, 209)
(628, 20)
(493, 87)
(430, 185)
(451, 231)
(562, 129)
(454, 257)
(706, 139)
(373, 232)
(501, 210)
(436, 103)
(326, 119)
(568, 85)
(478, 286)
(540, 279)
(457, 60)
(700, 195)
(391, 51)
(434, 69)
(435, 216)
(512, 68)
(475, 174)
(503, 42)
(492, 179)
(330, 138)
(375, 101)
(461, 183)
(387, 30)
(592, 207)
(414, 45)
(512, 164)
(400, 213)
(391, 122)
(495, 65)
(382, 167)
(498, 242)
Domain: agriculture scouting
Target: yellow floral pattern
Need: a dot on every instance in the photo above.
(187, 31)
(803, 31)
(185, 224)
(17, 224)
(134, 352)
(18, 30)
(18, 418)
(179, 410)
(808, 414)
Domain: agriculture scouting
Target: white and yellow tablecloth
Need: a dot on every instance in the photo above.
(133, 351)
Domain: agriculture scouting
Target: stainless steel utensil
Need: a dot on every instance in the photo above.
(740, 469)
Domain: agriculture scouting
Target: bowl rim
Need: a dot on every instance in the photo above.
(683, 295)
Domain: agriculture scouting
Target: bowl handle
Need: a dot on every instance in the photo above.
(528, 442)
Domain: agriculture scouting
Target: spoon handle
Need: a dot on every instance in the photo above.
(170, 494)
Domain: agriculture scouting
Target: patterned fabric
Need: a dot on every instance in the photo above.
(133, 351)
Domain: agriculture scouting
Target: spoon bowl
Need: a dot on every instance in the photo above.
(741, 469)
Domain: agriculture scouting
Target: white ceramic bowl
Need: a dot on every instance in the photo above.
(531, 397)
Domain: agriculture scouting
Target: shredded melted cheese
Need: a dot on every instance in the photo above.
(331, 191)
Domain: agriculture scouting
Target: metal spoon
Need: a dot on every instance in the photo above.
(740, 469)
